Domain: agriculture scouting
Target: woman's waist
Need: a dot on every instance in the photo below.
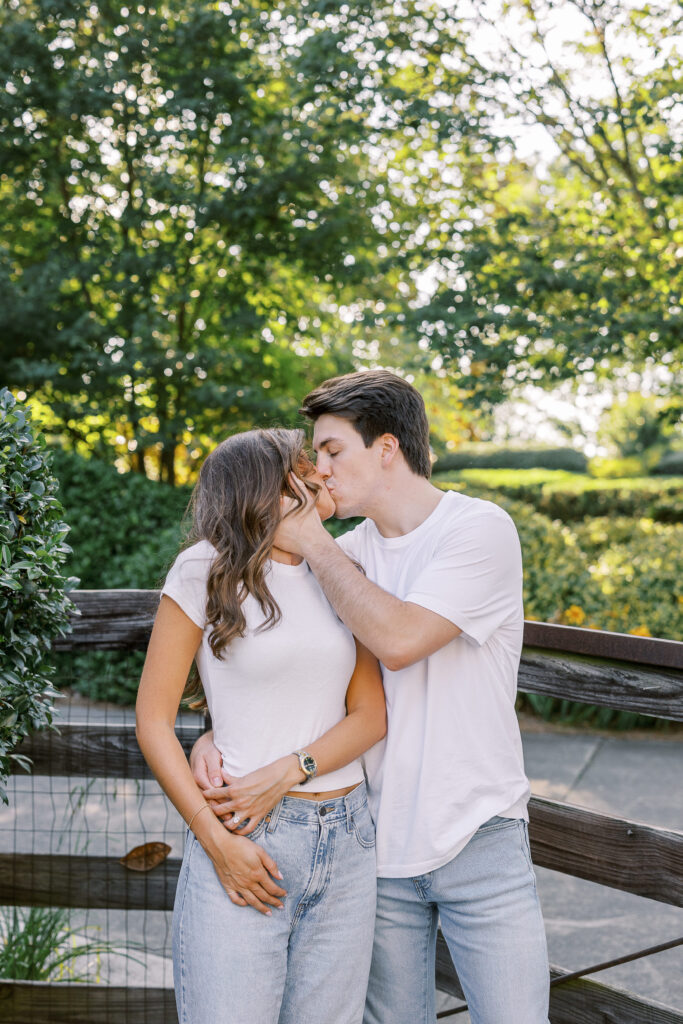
(324, 794)
(327, 807)
(239, 761)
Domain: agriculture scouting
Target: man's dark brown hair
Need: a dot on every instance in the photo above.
(377, 402)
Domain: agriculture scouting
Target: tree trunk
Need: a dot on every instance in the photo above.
(167, 463)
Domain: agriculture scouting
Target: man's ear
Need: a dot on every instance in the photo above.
(389, 449)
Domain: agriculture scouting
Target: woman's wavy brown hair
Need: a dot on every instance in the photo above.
(235, 506)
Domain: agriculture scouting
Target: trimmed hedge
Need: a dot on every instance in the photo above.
(670, 464)
(567, 459)
(572, 498)
(34, 607)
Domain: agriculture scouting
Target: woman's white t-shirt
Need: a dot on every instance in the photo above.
(276, 690)
(452, 757)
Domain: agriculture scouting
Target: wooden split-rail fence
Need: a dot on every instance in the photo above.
(613, 670)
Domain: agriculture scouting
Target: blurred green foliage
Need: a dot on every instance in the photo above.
(489, 457)
(671, 464)
(571, 497)
(125, 529)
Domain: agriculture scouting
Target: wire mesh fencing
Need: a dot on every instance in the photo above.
(90, 848)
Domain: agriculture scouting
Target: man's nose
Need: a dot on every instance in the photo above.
(322, 464)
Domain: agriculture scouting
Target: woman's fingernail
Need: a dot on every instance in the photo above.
(269, 913)
(216, 780)
(280, 876)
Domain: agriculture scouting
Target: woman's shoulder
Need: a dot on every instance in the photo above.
(201, 551)
(193, 562)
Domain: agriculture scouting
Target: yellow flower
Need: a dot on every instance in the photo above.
(574, 615)
(640, 631)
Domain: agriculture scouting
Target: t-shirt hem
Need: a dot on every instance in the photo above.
(412, 870)
(517, 810)
(180, 598)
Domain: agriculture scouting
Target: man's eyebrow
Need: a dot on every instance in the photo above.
(324, 444)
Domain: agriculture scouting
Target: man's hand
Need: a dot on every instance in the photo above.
(299, 525)
(206, 763)
(253, 795)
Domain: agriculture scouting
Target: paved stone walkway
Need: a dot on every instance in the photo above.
(634, 775)
(638, 776)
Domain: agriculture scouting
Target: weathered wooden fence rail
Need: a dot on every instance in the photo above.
(625, 672)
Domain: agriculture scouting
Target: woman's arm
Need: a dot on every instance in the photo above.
(365, 724)
(244, 869)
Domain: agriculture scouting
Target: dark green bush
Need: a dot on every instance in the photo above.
(125, 532)
(670, 464)
(125, 529)
(34, 607)
(509, 458)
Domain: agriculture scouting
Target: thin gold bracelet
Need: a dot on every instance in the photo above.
(199, 811)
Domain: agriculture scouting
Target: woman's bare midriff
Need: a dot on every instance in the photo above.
(329, 795)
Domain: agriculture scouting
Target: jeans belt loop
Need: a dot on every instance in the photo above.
(349, 812)
(274, 815)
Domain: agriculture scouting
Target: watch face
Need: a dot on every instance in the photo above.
(308, 764)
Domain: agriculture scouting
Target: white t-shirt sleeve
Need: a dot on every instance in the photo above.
(475, 578)
(186, 582)
(350, 542)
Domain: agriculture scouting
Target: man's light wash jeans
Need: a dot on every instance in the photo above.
(491, 919)
(308, 963)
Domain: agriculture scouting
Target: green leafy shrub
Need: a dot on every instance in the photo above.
(567, 459)
(617, 468)
(125, 532)
(617, 574)
(638, 565)
(125, 529)
(34, 606)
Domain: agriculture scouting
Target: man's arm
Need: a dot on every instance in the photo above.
(397, 632)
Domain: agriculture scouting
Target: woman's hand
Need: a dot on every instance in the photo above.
(246, 872)
(246, 800)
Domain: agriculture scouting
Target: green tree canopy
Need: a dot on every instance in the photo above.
(576, 269)
(207, 204)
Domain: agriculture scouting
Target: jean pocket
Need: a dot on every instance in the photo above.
(364, 828)
(260, 828)
(497, 823)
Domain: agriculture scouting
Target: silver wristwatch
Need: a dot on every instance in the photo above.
(307, 763)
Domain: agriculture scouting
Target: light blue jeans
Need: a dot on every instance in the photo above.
(491, 919)
(308, 963)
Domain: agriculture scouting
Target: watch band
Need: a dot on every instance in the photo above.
(307, 764)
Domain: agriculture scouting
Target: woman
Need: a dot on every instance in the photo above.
(294, 703)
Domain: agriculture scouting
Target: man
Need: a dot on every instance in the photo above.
(441, 607)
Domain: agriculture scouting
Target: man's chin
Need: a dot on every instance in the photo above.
(343, 513)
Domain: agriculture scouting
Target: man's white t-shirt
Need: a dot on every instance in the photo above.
(452, 757)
